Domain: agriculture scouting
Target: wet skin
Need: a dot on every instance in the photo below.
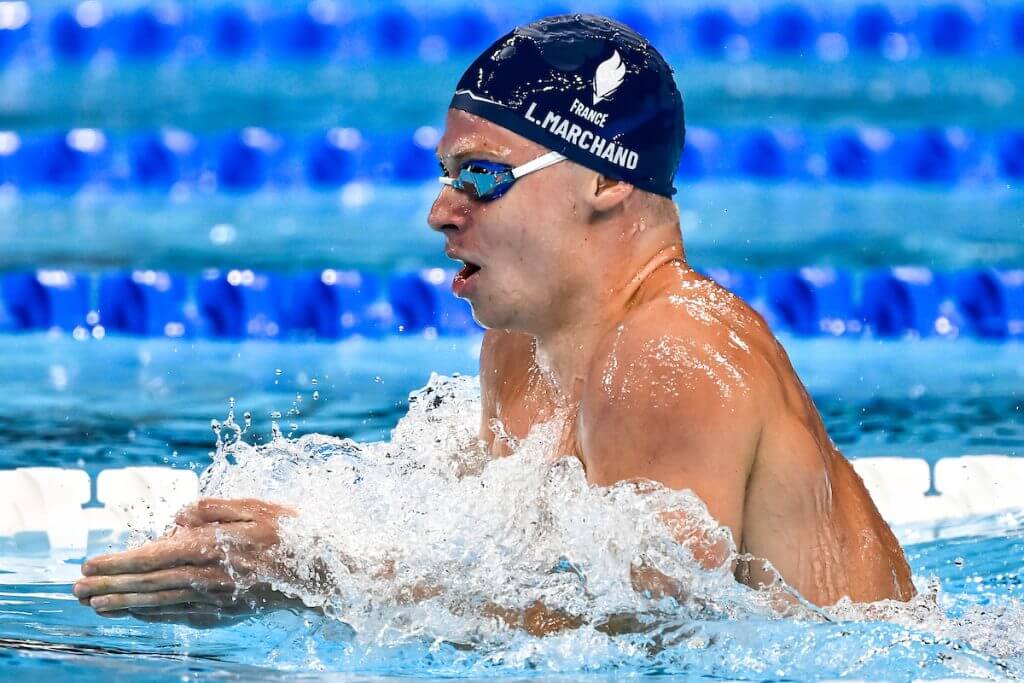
(594, 318)
(657, 372)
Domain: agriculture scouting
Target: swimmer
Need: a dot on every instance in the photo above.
(557, 162)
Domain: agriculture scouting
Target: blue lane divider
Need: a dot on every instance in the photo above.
(325, 30)
(899, 302)
(254, 158)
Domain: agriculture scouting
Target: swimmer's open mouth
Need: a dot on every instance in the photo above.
(464, 278)
(468, 270)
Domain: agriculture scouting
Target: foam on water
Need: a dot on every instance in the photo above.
(413, 546)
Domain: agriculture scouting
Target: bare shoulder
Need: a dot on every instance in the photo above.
(685, 341)
(680, 375)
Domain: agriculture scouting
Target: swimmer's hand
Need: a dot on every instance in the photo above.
(204, 570)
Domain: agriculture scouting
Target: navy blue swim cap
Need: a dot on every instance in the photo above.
(585, 86)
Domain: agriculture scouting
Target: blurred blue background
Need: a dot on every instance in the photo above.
(184, 184)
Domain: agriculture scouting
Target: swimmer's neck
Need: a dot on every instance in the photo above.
(564, 352)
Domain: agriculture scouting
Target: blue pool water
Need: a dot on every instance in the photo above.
(977, 568)
(951, 72)
(98, 404)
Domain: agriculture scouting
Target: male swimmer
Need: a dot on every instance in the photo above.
(558, 157)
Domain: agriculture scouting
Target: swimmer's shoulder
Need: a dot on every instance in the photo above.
(690, 346)
(665, 399)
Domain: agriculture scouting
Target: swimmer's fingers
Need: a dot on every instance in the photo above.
(198, 547)
(207, 579)
(119, 601)
(221, 510)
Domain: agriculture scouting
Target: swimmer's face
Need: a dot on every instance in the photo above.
(521, 250)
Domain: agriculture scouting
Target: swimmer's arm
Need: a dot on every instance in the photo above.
(203, 570)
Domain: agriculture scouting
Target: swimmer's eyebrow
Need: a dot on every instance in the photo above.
(467, 150)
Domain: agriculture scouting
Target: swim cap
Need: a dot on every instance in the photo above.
(585, 86)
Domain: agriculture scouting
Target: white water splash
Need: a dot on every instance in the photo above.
(415, 543)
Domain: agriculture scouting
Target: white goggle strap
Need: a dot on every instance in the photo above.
(518, 172)
(540, 162)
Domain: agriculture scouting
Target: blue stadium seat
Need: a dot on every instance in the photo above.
(145, 303)
(413, 156)
(144, 33)
(903, 300)
(869, 26)
(242, 303)
(812, 301)
(332, 158)
(467, 30)
(711, 29)
(636, 16)
(333, 304)
(788, 29)
(62, 161)
(743, 284)
(929, 156)
(158, 160)
(24, 304)
(849, 156)
(1015, 26)
(303, 34)
(1010, 154)
(45, 299)
(10, 143)
(992, 302)
(245, 159)
(761, 155)
(70, 39)
(949, 29)
(231, 33)
(15, 28)
(396, 32)
(424, 300)
(701, 154)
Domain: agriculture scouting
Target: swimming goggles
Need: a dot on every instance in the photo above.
(488, 180)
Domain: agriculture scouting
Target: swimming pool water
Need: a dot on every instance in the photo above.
(124, 401)
(114, 402)
(974, 573)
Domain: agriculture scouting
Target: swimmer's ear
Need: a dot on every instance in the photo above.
(609, 192)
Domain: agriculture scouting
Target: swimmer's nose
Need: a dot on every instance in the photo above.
(448, 212)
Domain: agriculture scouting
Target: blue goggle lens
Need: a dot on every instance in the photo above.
(484, 180)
